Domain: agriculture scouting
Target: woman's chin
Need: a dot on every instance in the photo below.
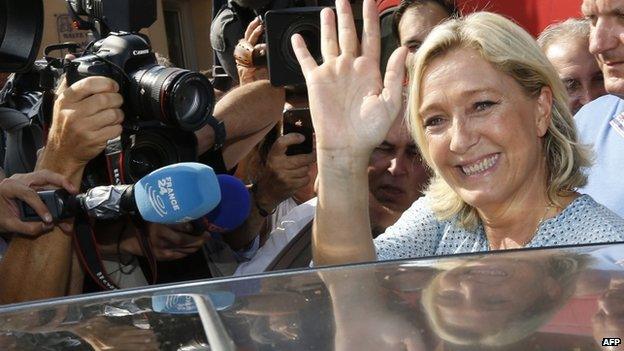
(478, 198)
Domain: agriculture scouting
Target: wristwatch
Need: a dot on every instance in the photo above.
(219, 132)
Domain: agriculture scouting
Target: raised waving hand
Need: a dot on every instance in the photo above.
(352, 108)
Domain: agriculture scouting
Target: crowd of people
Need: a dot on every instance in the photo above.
(477, 137)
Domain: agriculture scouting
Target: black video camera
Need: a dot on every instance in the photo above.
(21, 28)
(162, 106)
(281, 25)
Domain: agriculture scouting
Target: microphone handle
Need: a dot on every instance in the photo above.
(108, 202)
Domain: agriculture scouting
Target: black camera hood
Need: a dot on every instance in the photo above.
(21, 27)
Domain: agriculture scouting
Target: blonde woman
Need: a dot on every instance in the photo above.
(490, 116)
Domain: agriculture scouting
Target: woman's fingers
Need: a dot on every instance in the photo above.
(392, 93)
(329, 42)
(306, 61)
(347, 36)
(371, 33)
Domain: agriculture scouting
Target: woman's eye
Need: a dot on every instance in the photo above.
(433, 121)
(483, 105)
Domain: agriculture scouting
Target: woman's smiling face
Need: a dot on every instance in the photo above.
(484, 133)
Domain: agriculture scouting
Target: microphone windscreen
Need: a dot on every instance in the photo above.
(233, 209)
(177, 193)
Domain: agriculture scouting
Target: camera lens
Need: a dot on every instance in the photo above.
(174, 96)
(149, 153)
(188, 102)
(310, 31)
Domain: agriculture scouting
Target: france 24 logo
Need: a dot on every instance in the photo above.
(611, 341)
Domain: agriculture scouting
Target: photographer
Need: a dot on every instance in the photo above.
(86, 115)
(248, 113)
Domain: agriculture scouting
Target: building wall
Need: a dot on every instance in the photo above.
(57, 28)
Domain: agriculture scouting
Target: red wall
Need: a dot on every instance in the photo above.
(533, 15)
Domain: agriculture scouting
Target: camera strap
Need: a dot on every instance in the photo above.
(88, 253)
(142, 234)
(86, 246)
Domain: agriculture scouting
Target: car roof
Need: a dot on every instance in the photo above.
(531, 299)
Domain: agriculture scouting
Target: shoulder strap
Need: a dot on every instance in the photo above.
(11, 120)
(23, 139)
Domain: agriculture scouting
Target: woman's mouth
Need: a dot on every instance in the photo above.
(480, 166)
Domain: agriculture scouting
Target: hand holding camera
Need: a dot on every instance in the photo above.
(23, 187)
(283, 174)
(250, 55)
(86, 115)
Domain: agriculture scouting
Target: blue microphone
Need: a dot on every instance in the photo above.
(231, 212)
(177, 193)
(172, 194)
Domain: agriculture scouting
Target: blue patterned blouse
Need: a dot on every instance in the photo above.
(418, 233)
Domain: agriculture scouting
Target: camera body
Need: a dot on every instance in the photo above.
(150, 91)
(280, 26)
(162, 107)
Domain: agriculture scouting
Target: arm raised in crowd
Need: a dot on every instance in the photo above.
(86, 115)
(280, 178)
(248, 112)
(352, 110)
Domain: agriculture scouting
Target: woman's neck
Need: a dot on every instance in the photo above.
(515, 224)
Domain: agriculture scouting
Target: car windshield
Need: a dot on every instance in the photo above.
(548, 299)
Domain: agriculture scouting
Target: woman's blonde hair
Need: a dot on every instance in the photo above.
(514, 52)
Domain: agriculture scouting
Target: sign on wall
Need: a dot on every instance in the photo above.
(67, 32)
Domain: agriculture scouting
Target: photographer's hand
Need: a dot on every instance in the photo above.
(280, 178)
(248, 49)
(24, 187)
(352, 110)
(86, 115)
(283, 175)
(35, 267)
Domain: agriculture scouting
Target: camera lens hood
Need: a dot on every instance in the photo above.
(21, 28)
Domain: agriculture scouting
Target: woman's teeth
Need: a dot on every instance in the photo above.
(480, 166)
